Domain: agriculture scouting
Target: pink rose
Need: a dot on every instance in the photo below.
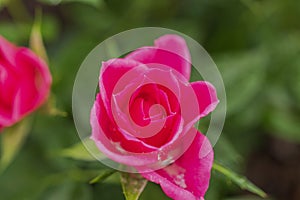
(145, 113)
(24, 82)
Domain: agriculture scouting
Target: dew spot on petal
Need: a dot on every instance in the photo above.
(177, 173)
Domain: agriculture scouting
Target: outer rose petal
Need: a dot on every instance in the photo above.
(111, 71)
(188, 177)
(169, 50)
(37, 82)
(7, 51)
(207, 97)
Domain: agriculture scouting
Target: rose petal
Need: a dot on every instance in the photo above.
(109, 130)
(128, 150)
(9, 86)
(9, 80)
(188, 177)
(169, 50)
(207, 97)
(111, 71)
(156, 94)
(36, 80)
(7, 52)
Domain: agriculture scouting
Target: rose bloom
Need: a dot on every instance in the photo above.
(130, 90)
(24, 82)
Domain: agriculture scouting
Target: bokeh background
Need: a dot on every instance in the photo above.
(256, 46)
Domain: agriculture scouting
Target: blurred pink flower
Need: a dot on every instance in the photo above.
(24, 82)
(118, 131)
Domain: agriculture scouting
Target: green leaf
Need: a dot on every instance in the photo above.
(17, 10)
(102, 176)
(50, 108)
(12, 141)
(284, 124)
(244, 197)
(36, 39)
(67, 190)
(2, 3)
(16, 32)
(241, 181)
(226, 153)
(95, 3)
(80, 152)
(243, 75)
(132, 185)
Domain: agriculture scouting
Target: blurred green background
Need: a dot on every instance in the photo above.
(256, 46)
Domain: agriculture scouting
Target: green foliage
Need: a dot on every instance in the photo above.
(12, 141)
(36, 39)
(133, 185)
(241, 181)
(102, 176)
(246, 197)
(285, 125)
(95, 3)
(80, 152)
(243, 74)
(2, 3)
